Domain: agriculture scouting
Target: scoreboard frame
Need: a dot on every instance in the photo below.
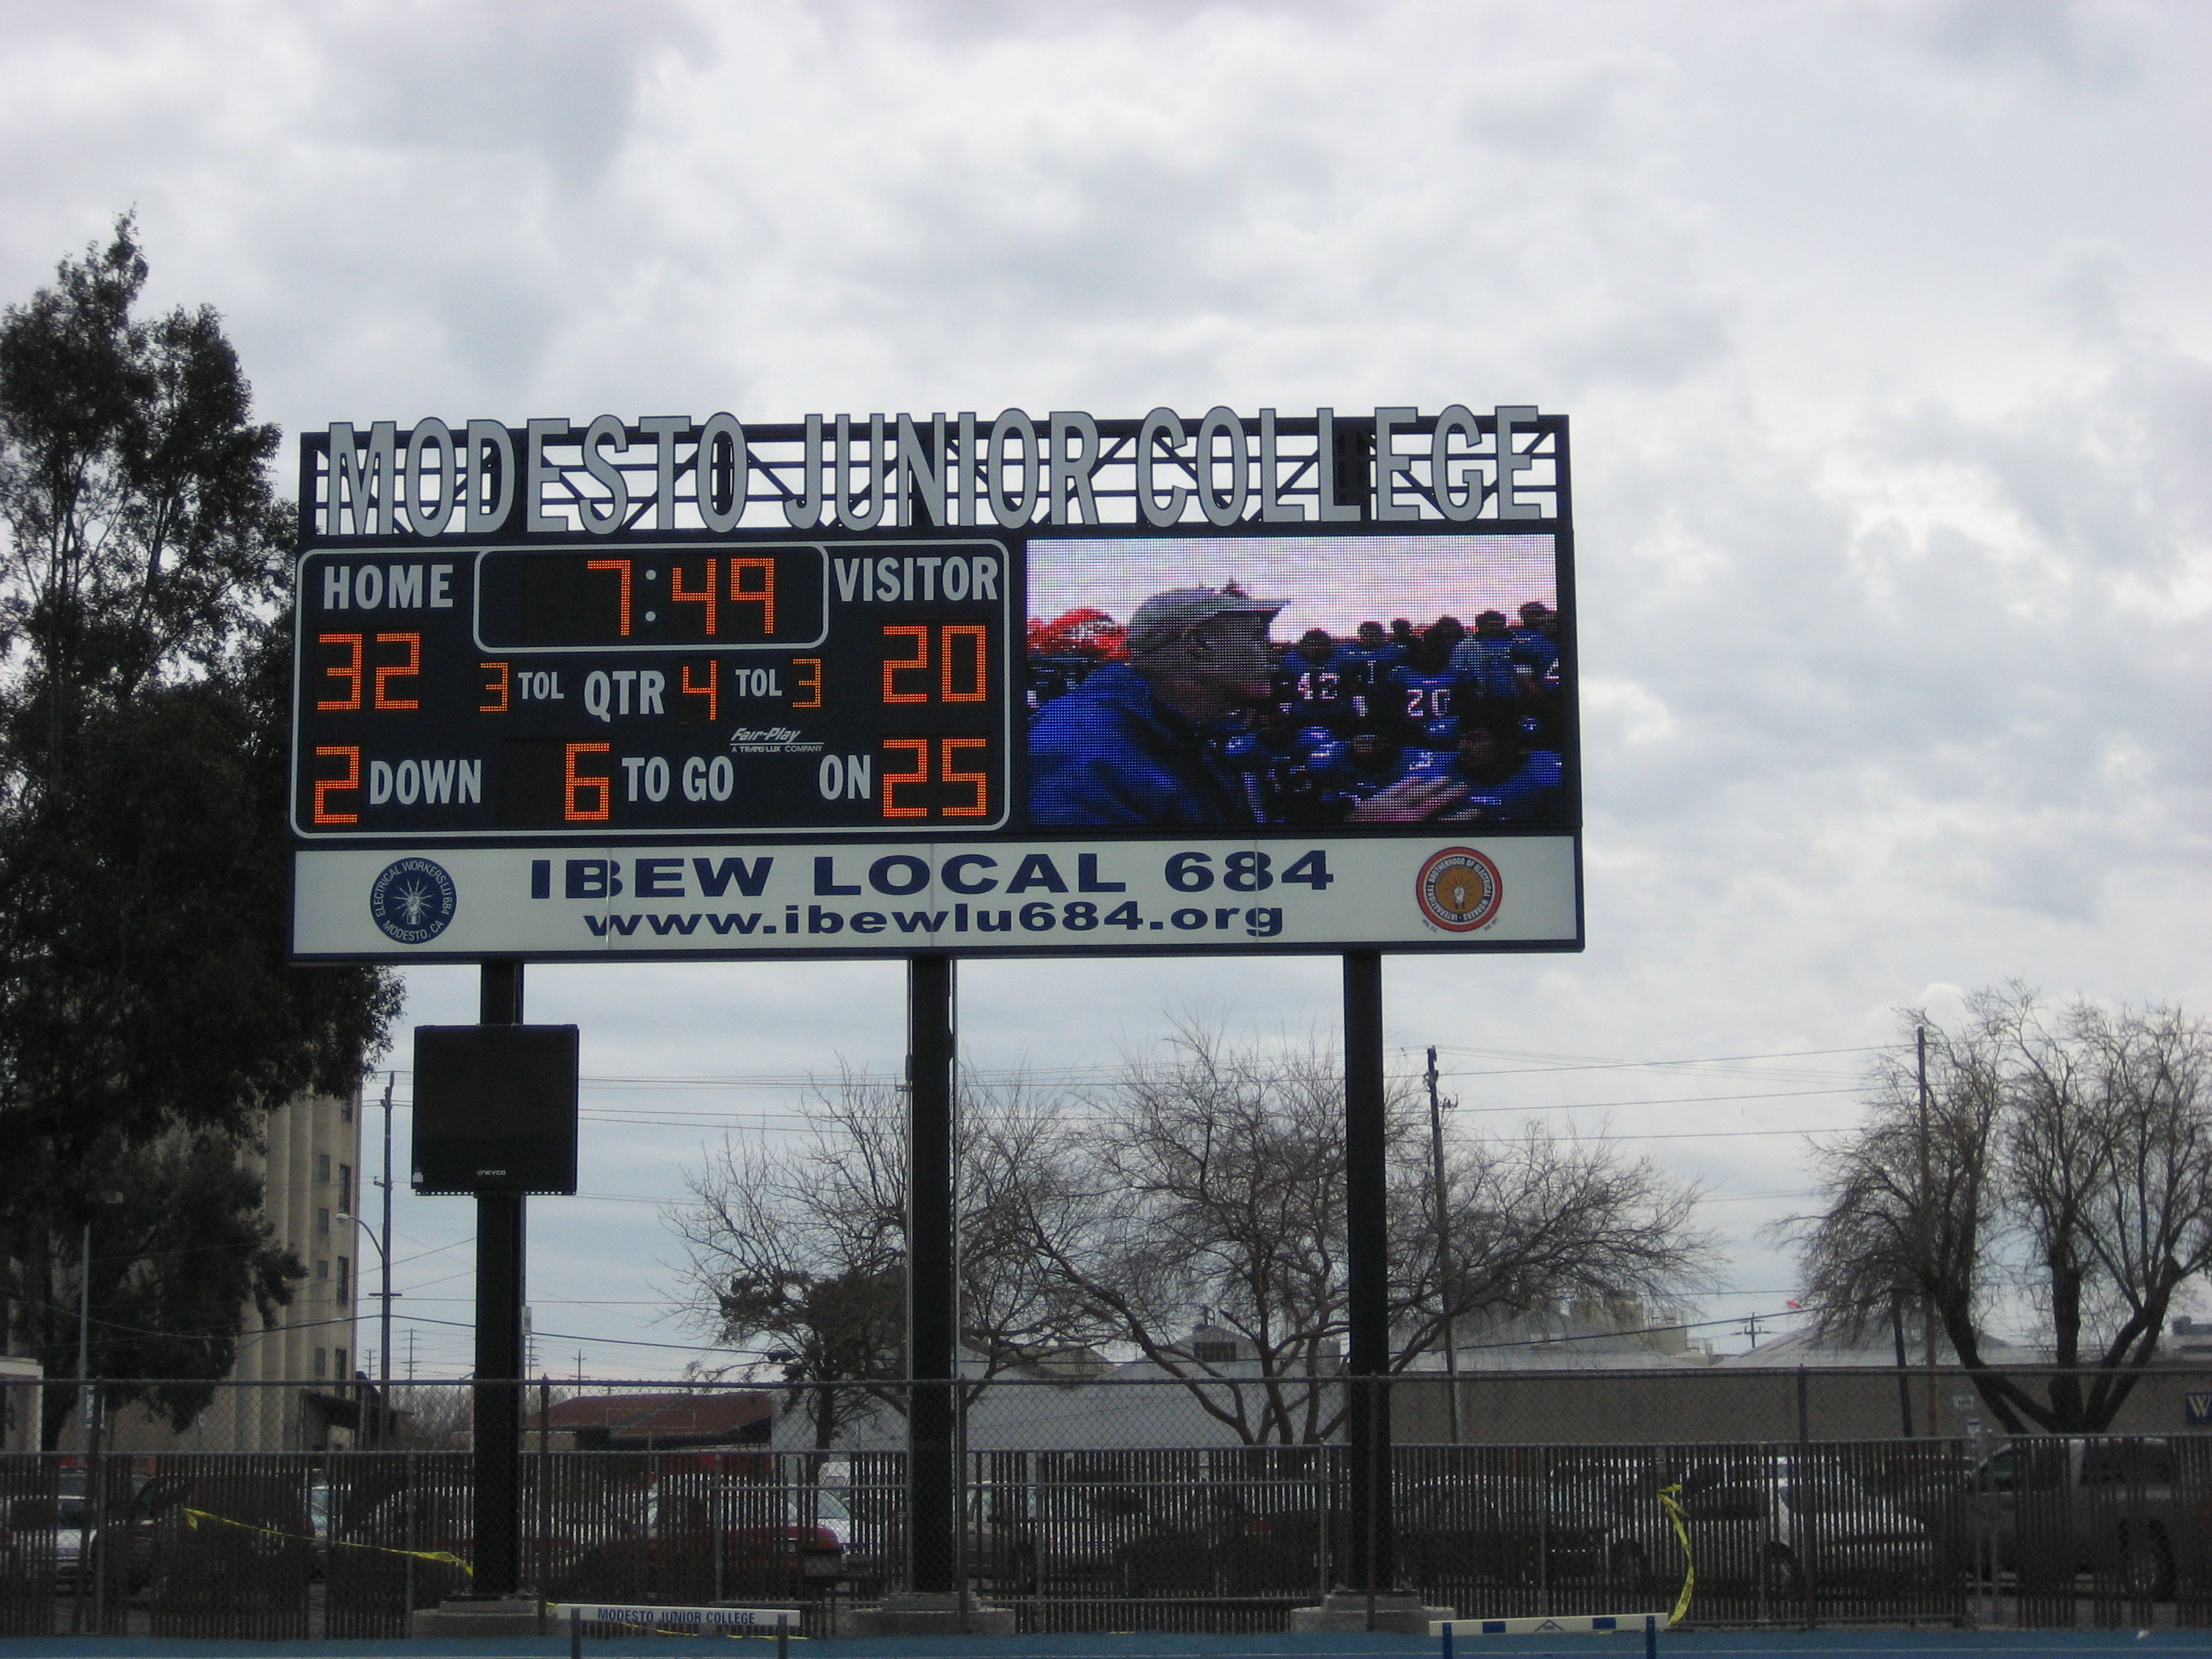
(1508, 887)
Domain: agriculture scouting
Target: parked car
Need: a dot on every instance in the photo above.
(44, 1537)
(1761, 1524)
(258, 1544)
(1228, 1535)
(734, 1541)
(2107, 1504)
(1517, 1530)
(68, 1531)
(999, 1545)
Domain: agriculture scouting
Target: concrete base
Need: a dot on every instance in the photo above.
(920, 1612)
(489, 1616)
(1401, 1613)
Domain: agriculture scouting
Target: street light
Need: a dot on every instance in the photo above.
(384, 1319)
(384, 1259)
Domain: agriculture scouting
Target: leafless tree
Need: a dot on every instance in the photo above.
(436, 1415)
(800, 1249)
(2066, 1172)
(1207, 1185)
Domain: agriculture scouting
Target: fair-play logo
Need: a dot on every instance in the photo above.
(412, 899)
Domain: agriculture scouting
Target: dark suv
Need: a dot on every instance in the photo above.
(2058, 1506)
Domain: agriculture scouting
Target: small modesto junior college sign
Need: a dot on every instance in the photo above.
(675, 688)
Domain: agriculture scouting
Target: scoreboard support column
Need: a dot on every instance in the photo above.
(1371, 1558)
(933, 1480)
(500, 1238)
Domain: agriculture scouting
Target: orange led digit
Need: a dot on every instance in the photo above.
(893, 781)
(576, 784)
(705, 596)
(325, 788)
(807, 675)
(350, 644)
(410, 670)
(621, 567)
(499, 680)
(948, 751)
(763, 596)
(975, 635)
(711, 690)
(894, 666)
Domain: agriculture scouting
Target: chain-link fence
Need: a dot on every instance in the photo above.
(1102, 1502)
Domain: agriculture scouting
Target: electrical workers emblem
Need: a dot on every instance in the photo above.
(412, 900)
(1459, 889)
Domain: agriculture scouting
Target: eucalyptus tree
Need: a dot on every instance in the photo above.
(146, 1003)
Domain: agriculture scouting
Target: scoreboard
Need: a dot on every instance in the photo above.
(681, 689)
(737, 689)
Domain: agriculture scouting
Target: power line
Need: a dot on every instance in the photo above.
(1079, 1072)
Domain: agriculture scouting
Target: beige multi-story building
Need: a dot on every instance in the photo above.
(302, 1364)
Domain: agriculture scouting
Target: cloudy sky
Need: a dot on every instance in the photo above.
(1883, 328)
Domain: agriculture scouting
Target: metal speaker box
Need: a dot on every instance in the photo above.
(495, 1109)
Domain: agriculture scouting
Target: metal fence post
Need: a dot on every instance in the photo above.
(1367, 1243)
(497, 1438)
(932, 1479)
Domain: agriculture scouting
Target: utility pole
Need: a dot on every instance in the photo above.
(1443, 1249)
(384, 1317)
(1927, 1231)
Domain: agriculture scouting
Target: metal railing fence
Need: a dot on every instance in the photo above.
(1101, 1503)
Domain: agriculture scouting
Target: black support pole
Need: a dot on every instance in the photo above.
(498, 1347)
(933, 1496)
(1371, 1555)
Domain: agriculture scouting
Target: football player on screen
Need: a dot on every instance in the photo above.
(1363, 776)
(1507, 783)
(1485, 659)
(1275, 763)
(1376, 654)
(1424, 693)
(1536, 660)
(1318, 680)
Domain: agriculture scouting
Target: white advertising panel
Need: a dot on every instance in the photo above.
(1073, 898)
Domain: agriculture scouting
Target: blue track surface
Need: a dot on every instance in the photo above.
(1875, 1644)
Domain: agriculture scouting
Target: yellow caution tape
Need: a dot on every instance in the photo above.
(444, 1558)
(1667, 1502)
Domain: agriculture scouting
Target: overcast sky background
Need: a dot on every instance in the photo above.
(1335, 583)
(1883, 329)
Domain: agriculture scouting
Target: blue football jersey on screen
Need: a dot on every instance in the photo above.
(1533, 794)
(1535, 653)
(1320, 692)
(1486, 666)
(1419, 699)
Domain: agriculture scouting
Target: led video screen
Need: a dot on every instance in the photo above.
(1351, 681)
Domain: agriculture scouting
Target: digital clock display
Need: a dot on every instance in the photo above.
(664, 599)
(686, 688)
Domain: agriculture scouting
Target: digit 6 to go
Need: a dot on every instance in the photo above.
(1246, 872)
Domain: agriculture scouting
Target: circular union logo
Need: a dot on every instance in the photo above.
(412, 900)
(1459, 889)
